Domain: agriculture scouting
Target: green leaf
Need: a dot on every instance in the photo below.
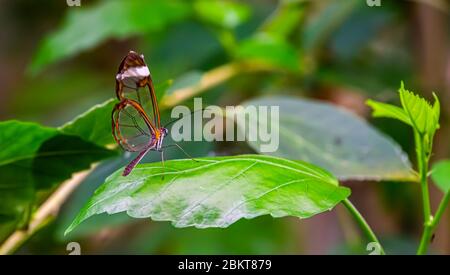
(436, 109)
(112, 19)
(216, 192)
(21, 140)
(423, 116)
(188, 79)
(332, 138)
(441, 175)
(227, 14)
(390, 111)
(330, 18)
(94, 125)
(36, 158)
(269, 49)
(285, 19)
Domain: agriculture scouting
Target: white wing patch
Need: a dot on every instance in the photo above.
(138, 72)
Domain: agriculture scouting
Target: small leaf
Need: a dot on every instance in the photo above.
(424, 117)
(216, 192)
(226, 14)
(112, 19)
(441, 175)
(390, 111)
(436, 109)
(334, 139)
(270, 49)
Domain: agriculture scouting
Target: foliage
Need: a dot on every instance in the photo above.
(424, 119)
(334, 139)
(35, 159)
(441, 175)
(216, 192)
(76, 34)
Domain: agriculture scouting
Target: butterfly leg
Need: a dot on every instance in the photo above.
(181, 149)
(162, 162)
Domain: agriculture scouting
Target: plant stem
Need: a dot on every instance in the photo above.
(423, 170)
(431, 225)
(425, 240)
(211, 79)
(441, 209)
(422, 161)
(46, 213)
(365, 228)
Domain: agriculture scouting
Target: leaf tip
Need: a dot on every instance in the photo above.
(69, 229)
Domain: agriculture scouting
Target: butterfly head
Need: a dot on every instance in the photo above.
(164, 131)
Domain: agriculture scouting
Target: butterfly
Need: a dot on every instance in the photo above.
(132, 127)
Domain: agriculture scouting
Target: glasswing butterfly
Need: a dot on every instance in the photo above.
(133, 128)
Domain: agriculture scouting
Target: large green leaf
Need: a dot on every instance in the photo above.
(216, 192)
(112, 19)
(334, 139)
(35, 158)
(441, 175)
(94, 125)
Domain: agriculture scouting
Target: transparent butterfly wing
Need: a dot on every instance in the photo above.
(133, 81)
(132, 128)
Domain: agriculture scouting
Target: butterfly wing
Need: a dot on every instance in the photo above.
(132, 128)
(133, 81)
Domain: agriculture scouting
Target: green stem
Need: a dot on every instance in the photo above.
(423, 170)
(364, 226)
(425, 240)
(441, 209)
(422, 160)
(431, 225)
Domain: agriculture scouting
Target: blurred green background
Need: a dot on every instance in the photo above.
(58, 61)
